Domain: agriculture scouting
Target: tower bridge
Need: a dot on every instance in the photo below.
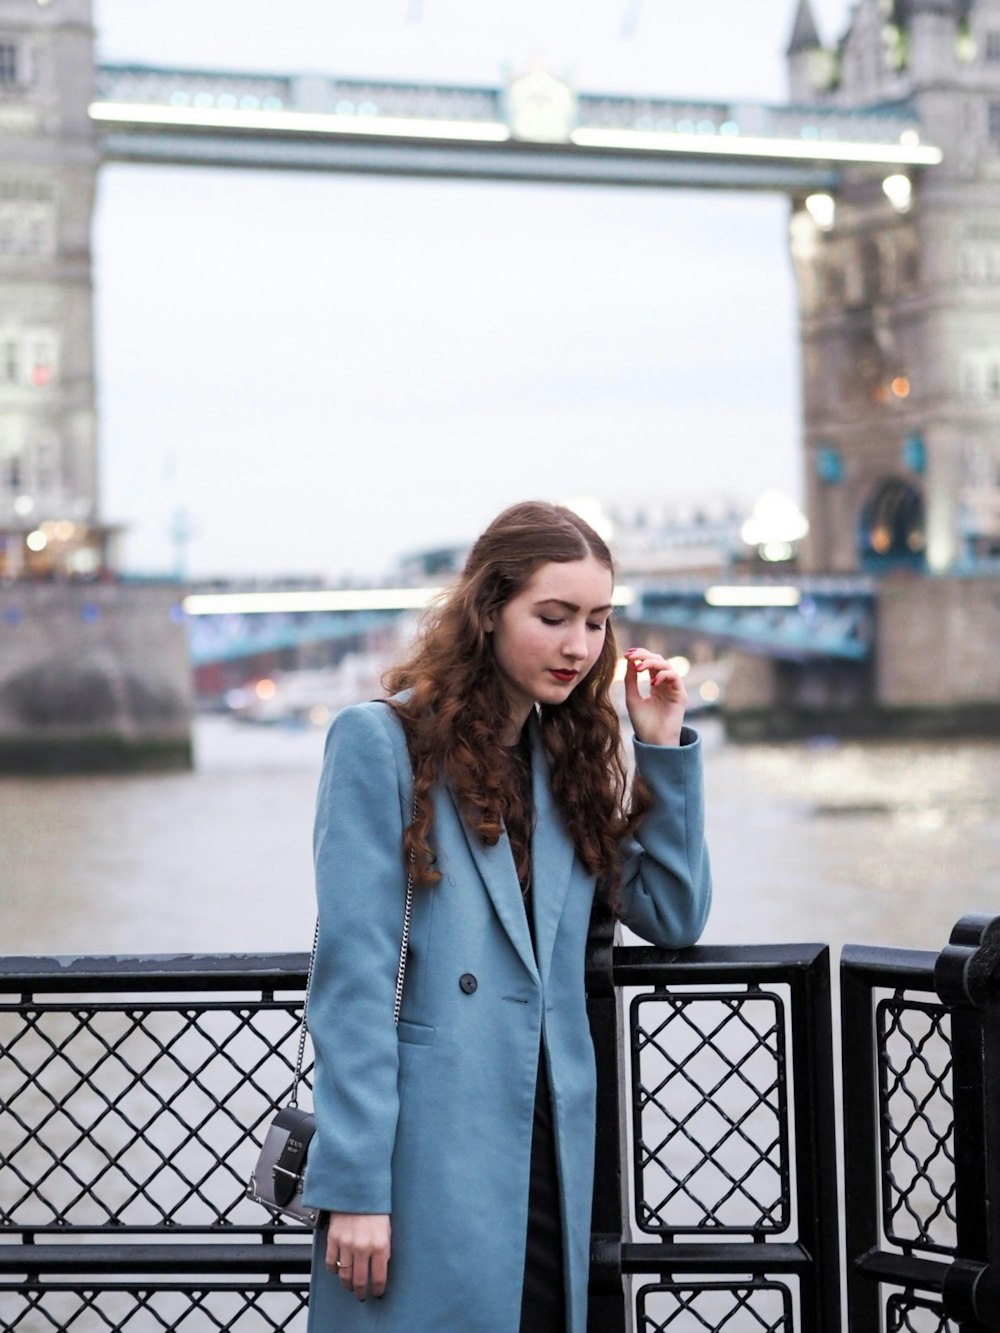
(888, 151)
(538, 128)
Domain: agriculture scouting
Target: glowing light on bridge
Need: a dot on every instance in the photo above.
(774, 526)
(806, 150)
(332, 599)
(328, 600)
(738, 594)
(898, 190)
(297, 122)
(822, 208)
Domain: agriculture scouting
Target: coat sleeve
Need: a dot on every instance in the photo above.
(361, 890)
(666, 886)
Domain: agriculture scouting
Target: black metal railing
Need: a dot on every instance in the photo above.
(133, 1091)
(921, 1035)
(722, 1102)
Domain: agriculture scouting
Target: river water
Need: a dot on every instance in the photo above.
(877, 843)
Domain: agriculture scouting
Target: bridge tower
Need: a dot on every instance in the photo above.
(899, 294)
(49, 156)
(90, 676)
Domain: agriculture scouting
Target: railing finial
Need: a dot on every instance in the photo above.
(966, 966)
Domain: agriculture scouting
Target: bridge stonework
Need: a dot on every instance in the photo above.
(49, 156)
(899, 293)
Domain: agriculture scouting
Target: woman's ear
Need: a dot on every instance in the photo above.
(489, 621)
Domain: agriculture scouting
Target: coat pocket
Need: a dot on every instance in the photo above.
(415, 1034)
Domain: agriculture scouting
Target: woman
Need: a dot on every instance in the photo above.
(454, 1154)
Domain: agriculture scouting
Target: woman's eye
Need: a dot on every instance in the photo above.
(602, 627)
(550, 620)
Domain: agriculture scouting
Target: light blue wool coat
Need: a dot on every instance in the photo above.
(433, 1123)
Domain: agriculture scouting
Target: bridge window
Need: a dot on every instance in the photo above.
(994, 120)
(915, 453)
(871, 269)
(9, 64)
(830, 466)
(980, 373)
(46, 460)
(30, 359)
(980, 263)
(991, 47)
(13, 188)
(42, 362)
(909, 266)
(836, 285)
(10, 361)
(11, 471)
(26, 229)
(38, 237)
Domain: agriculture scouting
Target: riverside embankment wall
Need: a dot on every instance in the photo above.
(93, 676)
(935, 670)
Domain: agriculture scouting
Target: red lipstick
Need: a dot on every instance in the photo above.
(564, 676)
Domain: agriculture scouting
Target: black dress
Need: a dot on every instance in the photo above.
(543, 1301)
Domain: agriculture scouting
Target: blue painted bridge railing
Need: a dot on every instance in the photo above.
(825, 618)
(133, 1092)
(796, 620)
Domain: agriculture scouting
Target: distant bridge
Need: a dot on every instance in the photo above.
(808, 619)
(538, 129)
(798, 620)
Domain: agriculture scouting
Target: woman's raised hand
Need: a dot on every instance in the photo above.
(656, 717)
(357, 1250)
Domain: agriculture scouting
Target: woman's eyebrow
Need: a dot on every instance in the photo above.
(571, 606)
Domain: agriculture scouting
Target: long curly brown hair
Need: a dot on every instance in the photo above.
(454, 712)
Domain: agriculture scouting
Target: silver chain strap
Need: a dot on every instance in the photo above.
(400, 977)
(404, 946)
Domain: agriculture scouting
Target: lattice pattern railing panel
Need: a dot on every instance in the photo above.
(916, 1113)
(136, 1114)
(907, 1314)
(132, 1308)
(710, 1112)
(757, 1307)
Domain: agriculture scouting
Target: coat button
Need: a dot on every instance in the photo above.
(468, 982)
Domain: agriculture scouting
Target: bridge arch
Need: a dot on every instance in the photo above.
(891, 527)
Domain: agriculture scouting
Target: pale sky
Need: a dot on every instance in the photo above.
(325, 372)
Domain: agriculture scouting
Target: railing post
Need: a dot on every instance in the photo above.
(607, 1303)
(966, 976)
(861, 1147)
(816, 1144)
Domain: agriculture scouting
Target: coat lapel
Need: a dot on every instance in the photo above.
(551, 856)
(496, 867)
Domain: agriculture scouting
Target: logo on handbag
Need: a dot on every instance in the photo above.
(278, 1178)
